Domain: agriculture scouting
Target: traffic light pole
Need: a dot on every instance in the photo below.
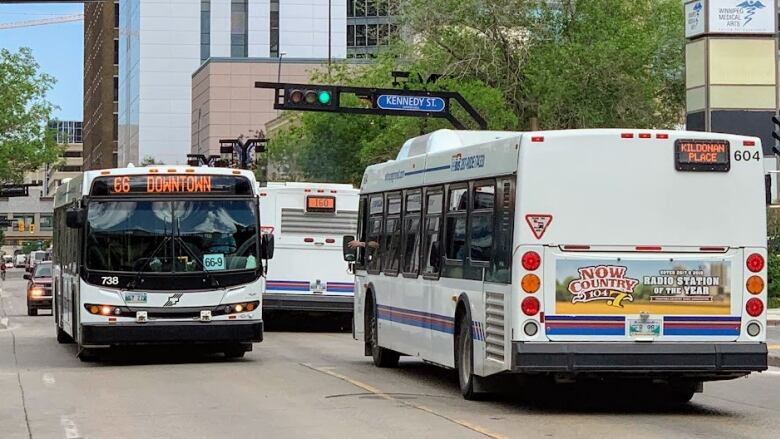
(383, 101)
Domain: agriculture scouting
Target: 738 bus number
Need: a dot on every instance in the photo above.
(746, 156)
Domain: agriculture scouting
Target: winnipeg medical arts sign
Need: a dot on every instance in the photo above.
(729, 17)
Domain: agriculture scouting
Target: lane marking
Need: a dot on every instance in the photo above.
(48, 379)
(773, 347)
(371, 389)
(70, 427)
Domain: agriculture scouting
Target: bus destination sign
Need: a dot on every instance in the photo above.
(170, 184)
(320, 204)
(702, 155)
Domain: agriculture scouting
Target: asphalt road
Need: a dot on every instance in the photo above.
(302, 384)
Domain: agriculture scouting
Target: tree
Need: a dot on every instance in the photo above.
(567, 64)
(150, 161)
(26, 143)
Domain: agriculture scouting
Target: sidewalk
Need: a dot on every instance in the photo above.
(773, 317)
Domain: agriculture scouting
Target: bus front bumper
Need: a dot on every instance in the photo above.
(157, 332)
(651, 357)
(307, 302)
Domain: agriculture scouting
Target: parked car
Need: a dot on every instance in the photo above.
(39, 288)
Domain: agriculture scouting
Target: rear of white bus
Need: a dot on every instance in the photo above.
(309, 221)
(650, 251)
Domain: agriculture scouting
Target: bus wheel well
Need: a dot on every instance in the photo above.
(367, 310)
(461, 310)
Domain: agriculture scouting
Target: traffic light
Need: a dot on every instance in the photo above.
(20, 225)
(32, 227)
(313, 98)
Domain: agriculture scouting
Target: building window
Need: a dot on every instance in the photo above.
(22, 219)
(71, 154)
(205, 29)
(46, 221)
(116, 14)
(116, 88)
(274, 40)
(116, 51)
(238, 28)
(116, 126)
(70, 168)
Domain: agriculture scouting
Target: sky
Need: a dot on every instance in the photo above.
(58, 48)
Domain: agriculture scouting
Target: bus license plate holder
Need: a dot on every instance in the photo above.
(644, 327)
(134, 297)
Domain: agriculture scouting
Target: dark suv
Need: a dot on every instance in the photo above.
(39, 288)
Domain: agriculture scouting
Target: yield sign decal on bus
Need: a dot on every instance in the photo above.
(538, 223)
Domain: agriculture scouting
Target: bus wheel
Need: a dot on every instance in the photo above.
(32, 311)
(63, 337)
(464, 360)
(87, 355)
(382, 357)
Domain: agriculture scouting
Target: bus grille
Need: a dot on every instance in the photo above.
(343, 222)
(494, 326)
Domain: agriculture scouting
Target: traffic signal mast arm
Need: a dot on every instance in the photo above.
(384, 101)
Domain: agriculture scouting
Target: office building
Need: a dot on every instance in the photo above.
(101, 83)
(370, 26)
(69, 135)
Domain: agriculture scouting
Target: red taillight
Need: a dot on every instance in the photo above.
(308, 239)
(754, 307)
(330, 241)
(627, 135)
(755, 263)
(748, 143)
(661, 136)
(644, 135)
(530, 306)
(531, 260)
(537, 139)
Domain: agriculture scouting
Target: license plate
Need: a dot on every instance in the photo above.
(649, 327)
(135, 297)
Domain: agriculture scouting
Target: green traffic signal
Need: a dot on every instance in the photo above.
(324, 97)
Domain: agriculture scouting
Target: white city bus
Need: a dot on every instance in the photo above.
(309, 222)
(631, 253)
(159, 255)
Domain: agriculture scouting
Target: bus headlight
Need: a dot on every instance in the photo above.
(235, 308)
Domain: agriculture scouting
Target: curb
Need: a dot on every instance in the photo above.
(773, 360)
(773, 322)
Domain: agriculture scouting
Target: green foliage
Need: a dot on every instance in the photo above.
(26, 143)
(773, 259)
(150, 161)
(520, 63)
(30, 246)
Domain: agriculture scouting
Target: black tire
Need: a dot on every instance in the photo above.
(464, 360)
(382, 357)
(681, 394)
(32, 311)
(63, 337)
(87, 355)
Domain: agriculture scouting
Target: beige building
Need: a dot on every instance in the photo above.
(225, 103)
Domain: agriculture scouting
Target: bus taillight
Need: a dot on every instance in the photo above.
(530, 306)
(755, 284)
(755, 262)
(754, 307)
(531, 260)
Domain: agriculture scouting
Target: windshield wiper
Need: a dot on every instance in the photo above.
(183, 244)
(137, 276)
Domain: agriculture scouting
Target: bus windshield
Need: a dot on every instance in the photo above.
(172, 236)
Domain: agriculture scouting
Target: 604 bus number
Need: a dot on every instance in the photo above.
(746, 156)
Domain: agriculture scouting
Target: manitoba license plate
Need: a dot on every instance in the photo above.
(135, 297)
(649, 327)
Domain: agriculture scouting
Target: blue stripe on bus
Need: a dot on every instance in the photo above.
(434, 169)
(585, 331)
(702, 319)
(701, 331)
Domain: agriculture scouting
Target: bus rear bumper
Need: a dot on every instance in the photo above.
(651, 358)
(307, 302)
(156, 332)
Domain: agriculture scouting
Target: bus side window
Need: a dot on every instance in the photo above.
(411, 234)
(391, 254)
(455, 229)
(501, 261)
(481, 224)
(434, 201)
(374, 242)
(360, 261)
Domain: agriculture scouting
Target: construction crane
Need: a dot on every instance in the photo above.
(42, 21)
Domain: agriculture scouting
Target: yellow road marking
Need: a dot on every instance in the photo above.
(773, 347)
(367, 387)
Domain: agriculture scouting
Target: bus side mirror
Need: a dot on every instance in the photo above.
(435, 259)
(74, 218)
(350, 253)
(267, 246)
